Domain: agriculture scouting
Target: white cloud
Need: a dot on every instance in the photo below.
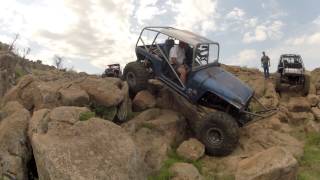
(147, 10)
(271, 30)
(195, 15)
(273, 7)
(310, 39)
(247, 57)
(316, 21)
(251, 22)
(259, 34)
(96, 30)
(236, 13)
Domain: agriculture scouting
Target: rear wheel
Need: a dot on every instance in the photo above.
(136, 76)
(306, 85)
(278, 82)
(219, 132)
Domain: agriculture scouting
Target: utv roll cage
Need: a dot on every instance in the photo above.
(182, 35)
(290, 61)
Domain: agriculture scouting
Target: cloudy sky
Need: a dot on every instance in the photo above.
(90, 34)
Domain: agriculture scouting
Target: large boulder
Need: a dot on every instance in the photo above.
(254, 139)
(15, 152)
(220, 167)
(277, 124)
(313, 100)
(299, 118)
(184, 171)
(272, 164)
(66, 148)
(191, 149)
(270, 98)
(154, 131)
(53, 89)
(312, 127)
(74, 96)
(34, 94)
(299, 104)
(143, 100)
(316, 112)
(105, 91)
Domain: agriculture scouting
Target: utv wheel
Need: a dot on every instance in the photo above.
(219, 132)
(278, 82)
(306, 86)
(136, 76)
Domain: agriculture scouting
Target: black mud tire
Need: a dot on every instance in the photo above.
(307, 84)
(219, 132)
(277, 82)
(136, 75)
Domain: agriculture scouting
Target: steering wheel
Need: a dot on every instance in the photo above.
(155, 51)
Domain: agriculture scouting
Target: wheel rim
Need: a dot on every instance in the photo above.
(214, 136)
(131, 79)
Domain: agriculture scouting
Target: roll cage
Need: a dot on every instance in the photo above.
(290, 61)
(200, 45)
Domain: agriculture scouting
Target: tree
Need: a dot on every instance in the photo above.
(58, 61)
(25, 52)
(12, 45)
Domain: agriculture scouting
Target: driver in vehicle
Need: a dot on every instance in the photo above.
(177, 58)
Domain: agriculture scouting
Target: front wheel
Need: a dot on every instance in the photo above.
(307, 83)
(219, 132)
(136, 75)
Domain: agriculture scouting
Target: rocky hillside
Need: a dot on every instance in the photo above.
(12, 67)
(63, 125)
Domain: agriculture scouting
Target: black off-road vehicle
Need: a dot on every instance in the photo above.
(113, 70)
(216, 101)
(291, 71)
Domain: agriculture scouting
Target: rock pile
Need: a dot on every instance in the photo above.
(66, 148)
(65, 121)
(15, 151)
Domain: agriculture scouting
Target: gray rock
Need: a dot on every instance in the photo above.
(185, 171)
(66, 148)
(299, 104)
(316, 113)
(154, 131)
(105, 91)
(191, 149)
(15, 152)
(74, 96)
(143, 100)
(299, 118)
(275, 163)
(313, 100)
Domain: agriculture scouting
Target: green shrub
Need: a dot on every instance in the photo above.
(104, 112)
(19, 72)
(173, 158)
(86, 116)
(310, 161)
(132, 115)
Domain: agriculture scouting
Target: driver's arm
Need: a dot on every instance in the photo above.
(173, 60)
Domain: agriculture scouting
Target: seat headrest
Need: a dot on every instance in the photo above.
(169, 42)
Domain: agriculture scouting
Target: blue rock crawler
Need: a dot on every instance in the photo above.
(207, 84)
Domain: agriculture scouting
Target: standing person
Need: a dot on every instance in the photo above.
(265, 62)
